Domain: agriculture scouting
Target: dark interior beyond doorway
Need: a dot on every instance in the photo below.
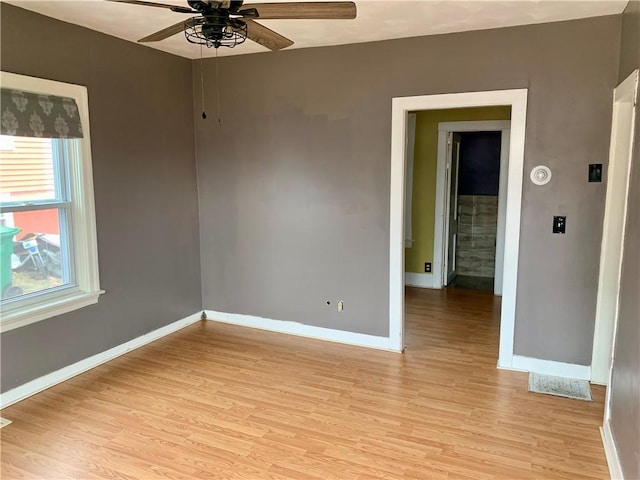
(478, 182)
(479, 163)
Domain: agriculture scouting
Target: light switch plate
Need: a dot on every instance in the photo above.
(559, 224)
(595, 172)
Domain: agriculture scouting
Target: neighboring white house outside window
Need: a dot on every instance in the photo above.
(48, 248)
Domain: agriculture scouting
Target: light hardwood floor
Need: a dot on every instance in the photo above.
(220, 401)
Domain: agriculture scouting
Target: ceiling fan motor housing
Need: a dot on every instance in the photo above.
(199, 5)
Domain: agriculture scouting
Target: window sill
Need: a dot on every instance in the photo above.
(60, 304)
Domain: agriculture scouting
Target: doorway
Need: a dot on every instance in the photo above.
(477, 238)
(517, 101)
(472, 209)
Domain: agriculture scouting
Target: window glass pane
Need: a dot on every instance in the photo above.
(34, 245)
(48, 251)
(27, 169)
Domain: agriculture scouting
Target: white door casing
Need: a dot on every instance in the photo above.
(517, 100)
(618, 174)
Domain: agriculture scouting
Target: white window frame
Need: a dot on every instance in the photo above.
(84, 247)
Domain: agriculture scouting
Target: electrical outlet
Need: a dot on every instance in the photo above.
(427, 267)
(340, 305)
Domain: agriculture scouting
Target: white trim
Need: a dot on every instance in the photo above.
(611, 452)
(614, 226)
(608, 439)
(449, 271)
(46, 381)
(517, 99)
(399, 115)
(439, 220)
(84, 242)
(439, 246)
(301, 330)
(421, 280)
(40, 311)
(512, 227)
(627, 88)
(550, 367)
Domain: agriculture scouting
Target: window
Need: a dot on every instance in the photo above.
(48, 251)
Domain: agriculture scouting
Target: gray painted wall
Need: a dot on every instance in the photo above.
(294, 184)
(295, 181)
(630, 40)
(141, 115)
(625, 384)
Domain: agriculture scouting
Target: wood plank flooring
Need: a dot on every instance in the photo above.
(224, 402)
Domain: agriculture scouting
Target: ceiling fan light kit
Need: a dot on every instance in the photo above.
(197, 31)
(225, 23)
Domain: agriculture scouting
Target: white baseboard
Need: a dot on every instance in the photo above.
(422, 280)
(549, 367)
(49, 380)
(301, 330)
(611, 452)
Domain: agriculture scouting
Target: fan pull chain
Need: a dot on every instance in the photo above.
(218, 86)
(204, 114)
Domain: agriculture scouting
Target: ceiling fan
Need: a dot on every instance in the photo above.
(227, 23)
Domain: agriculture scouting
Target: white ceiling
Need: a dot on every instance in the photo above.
(376, 20)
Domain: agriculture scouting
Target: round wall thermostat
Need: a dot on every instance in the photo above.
(540, 175)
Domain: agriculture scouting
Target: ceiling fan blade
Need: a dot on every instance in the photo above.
(246, 13)
(265, 36)
(305, 10)
(164, 33)
(173, 8)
